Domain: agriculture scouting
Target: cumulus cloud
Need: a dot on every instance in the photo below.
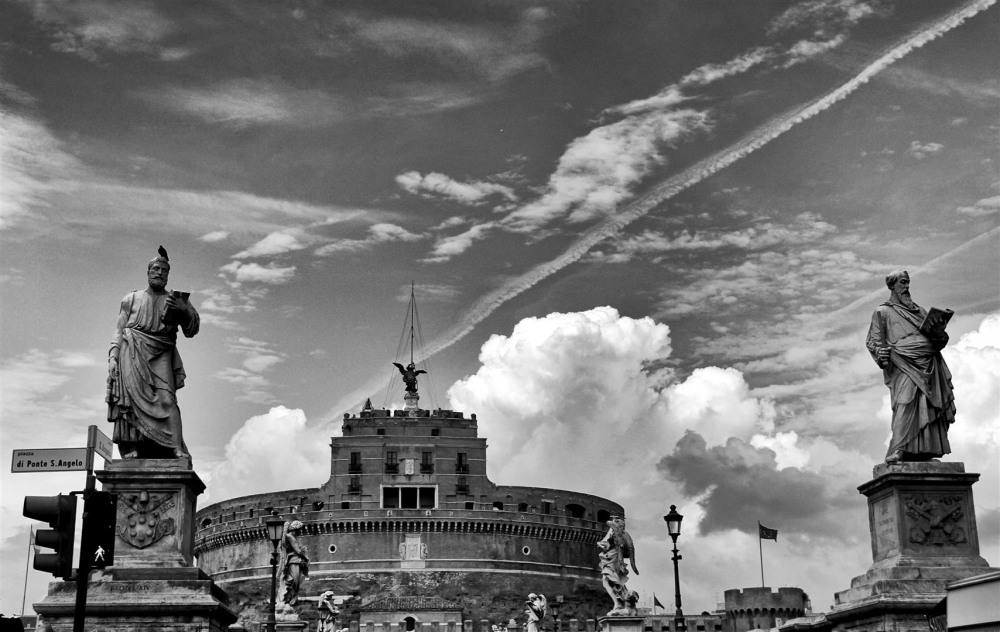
(736, 481)
(437, 184)
(592, 384)
(256, 457)
(271, 274)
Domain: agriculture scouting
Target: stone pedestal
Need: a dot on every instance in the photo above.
(621, 624)
(153, 584)
(154, 600)
(290, 626)
(923, 531)
(156, 505)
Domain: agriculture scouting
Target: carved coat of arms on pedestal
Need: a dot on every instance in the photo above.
(935, 519)
(143, 519)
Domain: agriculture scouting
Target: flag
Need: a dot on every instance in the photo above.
(767, 534)
(656, 602)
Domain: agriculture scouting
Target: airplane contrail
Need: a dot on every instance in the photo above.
(867, 299)
(687, 178)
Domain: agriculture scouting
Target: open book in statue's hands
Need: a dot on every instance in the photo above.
(935, 321)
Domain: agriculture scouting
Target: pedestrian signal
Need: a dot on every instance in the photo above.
(97, 542)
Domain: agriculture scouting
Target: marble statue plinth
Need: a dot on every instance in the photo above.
(922, 523)
(621, 624)
(149, 599)
(157, 499)
(152, 584)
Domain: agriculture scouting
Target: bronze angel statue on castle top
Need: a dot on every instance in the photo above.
(615, 547)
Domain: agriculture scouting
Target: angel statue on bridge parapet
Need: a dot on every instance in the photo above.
(615, 547)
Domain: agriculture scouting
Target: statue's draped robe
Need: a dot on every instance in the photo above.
(294, 568)
(923, 401)
(142, 400)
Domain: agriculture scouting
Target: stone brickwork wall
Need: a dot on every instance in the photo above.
(752, 608)
(408, 510)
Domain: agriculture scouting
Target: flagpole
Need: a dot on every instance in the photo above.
(761, 547)
(27, 560)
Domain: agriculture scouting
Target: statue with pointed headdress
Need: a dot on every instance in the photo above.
(145, 370)
(616, 547)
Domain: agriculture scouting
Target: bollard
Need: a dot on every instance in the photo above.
(354, 626)
(467, 625)
(574, 625)
(591, 625)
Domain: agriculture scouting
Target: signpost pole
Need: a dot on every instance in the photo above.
(94, 437)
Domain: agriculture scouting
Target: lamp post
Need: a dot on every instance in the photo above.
(673, 520)
(275, 525)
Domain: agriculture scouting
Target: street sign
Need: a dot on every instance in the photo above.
(50, 460)
(99, 442)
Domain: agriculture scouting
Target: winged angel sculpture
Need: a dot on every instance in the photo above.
(615, 548)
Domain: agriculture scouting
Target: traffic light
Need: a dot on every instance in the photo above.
(60, 512)
(97, 542)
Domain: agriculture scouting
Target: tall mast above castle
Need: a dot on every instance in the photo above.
(410, 372)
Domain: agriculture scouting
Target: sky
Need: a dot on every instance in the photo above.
(645, 240)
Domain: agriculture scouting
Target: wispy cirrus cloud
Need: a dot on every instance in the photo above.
(380, 233)
(495, 52)
(243, 102)
(439, 185)
(258, 358)
(89, 28)
(921, 150)
(272, 274)
(710, 73)
(433, 292)
(765, 233)
(986, 206)
(447, 247)
(598, 171)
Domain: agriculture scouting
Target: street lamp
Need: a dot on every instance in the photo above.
(275, 525)
(673, 520)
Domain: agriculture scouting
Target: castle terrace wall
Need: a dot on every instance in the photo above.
(759, 607)
(497, 597)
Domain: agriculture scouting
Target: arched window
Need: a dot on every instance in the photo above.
(411, 623)
(522, 507)
(603, 515)
(498, 505)
(576, 511)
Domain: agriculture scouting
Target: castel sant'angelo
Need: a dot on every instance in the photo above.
(408, 511)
